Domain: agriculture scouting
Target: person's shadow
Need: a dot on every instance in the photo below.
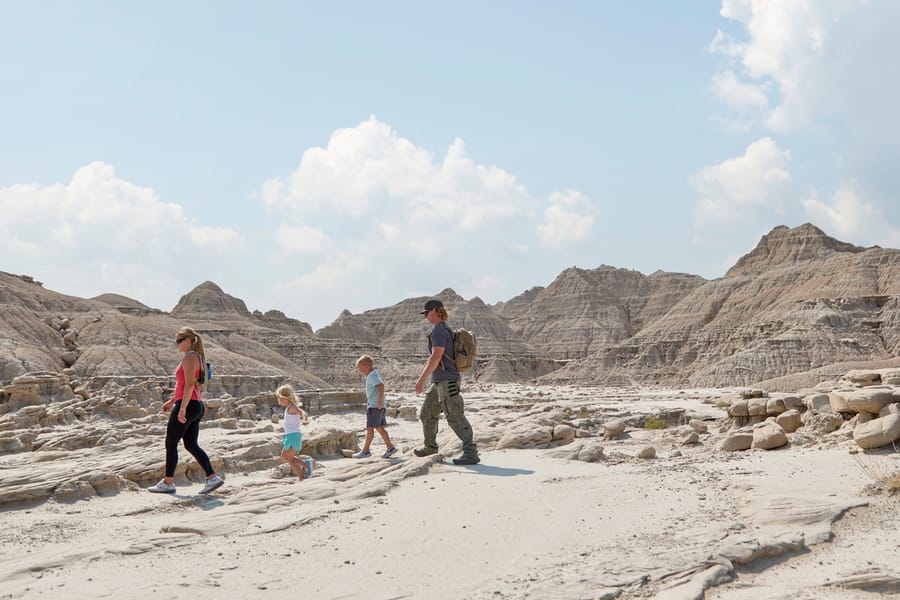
(201, 501)
(481, 469)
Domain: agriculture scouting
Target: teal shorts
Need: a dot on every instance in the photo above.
(293, 440)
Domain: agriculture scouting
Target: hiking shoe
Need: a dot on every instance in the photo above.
(390, 452)
(466, 460)
(362, 454)
(162, 487)
(424, 451)
(213, 483)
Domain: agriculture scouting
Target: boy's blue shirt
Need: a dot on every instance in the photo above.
(372, 381)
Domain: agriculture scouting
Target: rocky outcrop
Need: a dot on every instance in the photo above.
(858, 403)
(800, 301)
(514, 307)
(398, 332)
(208, 299)
(584, 311)
(43, 331)
(788, 247)
(799, 308)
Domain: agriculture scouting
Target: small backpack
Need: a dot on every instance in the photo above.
(205, 374)
(465, 348)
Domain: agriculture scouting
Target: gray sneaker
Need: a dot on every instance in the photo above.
(390, 452)
(162, 487)
(213, 483)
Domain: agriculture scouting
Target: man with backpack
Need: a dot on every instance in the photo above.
(442, 394)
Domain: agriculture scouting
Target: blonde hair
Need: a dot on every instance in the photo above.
(365, 359)
(442, 313)
(196, 346)
(288, 392)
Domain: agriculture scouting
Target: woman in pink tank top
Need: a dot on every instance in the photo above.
(187, 410)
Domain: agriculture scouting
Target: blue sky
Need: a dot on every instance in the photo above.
(310, 157)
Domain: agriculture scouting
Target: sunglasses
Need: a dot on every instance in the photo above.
(179, 340)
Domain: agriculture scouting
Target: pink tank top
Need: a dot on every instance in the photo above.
(179, 381)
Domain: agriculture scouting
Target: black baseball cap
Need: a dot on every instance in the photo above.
(431, 305)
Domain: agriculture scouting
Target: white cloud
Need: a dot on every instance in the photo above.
(121, 233)
(369, 169)
(358, 167)
(568, 220)
(825, 58)
(825, 67)
(723, 44)
(785, 46)
(362, 222)
(331, 275)
(757, 181)
(216, 239)
(742, 97)
(851, 217)
(389, 215)
(290, 240)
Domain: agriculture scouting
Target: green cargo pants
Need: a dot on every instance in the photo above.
(443, 396)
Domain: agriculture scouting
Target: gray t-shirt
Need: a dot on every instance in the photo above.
(441, 336)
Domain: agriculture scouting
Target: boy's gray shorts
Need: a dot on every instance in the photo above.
(375, 417)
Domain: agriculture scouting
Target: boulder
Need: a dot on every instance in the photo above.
(739, 408)
(775, 406)
(890, 376)
(590, 453)
(758, 407)
(877, 432)
(691, 438)
(563, 433)
(647, 452)
(821, 422)
(525, 435)
(698, 425)
(890, 409)
(614, 429)
(862, 377)
(789, 421)
(768, 435)
(793, 402)
(737, 441)
(870, 400)
(818, 402)
(838, 403)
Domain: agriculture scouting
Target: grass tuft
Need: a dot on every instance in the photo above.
(880, 471)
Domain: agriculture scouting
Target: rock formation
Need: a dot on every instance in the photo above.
(800, 301)
(801, 306)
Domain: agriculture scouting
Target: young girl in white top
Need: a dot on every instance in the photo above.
(293, 439)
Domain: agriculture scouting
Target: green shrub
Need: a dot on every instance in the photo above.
(654, 423)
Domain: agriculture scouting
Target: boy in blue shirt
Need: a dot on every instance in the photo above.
(375, 408)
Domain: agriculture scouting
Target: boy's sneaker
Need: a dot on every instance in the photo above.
(362, 454)
(424, 451)
(213, 483)
(390, 452)
(162, 487)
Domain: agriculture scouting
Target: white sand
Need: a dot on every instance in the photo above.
(522, 524)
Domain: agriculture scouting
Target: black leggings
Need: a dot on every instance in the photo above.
(188, 431)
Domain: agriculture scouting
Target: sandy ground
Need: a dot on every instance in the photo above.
(694, 522)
